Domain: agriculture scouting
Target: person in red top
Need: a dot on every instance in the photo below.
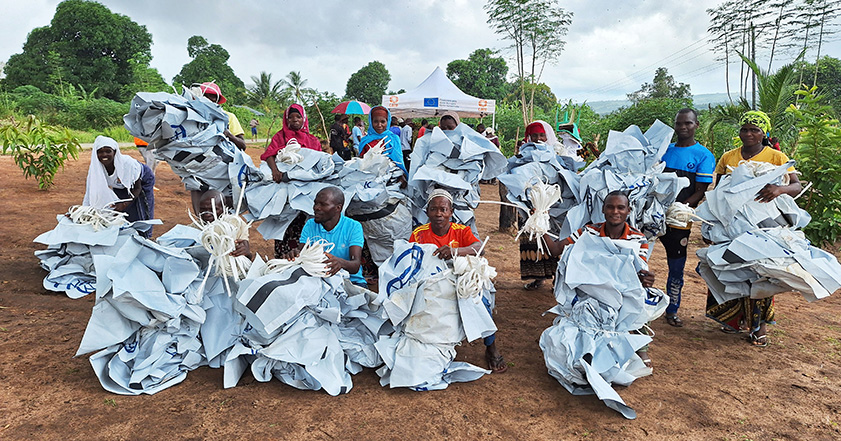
(616, 209)
(452, 240)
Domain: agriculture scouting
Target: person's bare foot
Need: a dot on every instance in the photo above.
(496, 363)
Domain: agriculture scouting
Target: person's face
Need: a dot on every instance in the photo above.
(206, 209)
(751, 135)
(379, 122)
(447, 123)
(325, 208)
(439, 211)
(537, 137)
(296, 121)
(106, 156)
(212, 97)
(616, 210)
(685, 125)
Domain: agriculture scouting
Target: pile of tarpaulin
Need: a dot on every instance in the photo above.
(590, 345)
(540, 163)
(454, 160)
(419, 297)
(187, 132)
(758, 248)
(630, 162)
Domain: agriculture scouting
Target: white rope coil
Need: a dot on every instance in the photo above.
(473, 274)
(542, 197)
(680, 215)
(98, 218)
(374, 158)
(291, 154)
(311, 258)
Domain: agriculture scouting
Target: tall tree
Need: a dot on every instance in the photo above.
(829, 79)
(535, 29)
(368, 84)
(94, 48)
(210, 63)
(264, 92)
(481, 74)
(294, 85)
(663, 86)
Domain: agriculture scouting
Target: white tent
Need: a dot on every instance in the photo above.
(436, 95)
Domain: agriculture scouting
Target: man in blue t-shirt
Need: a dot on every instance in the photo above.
(344, 233)
(689, 159)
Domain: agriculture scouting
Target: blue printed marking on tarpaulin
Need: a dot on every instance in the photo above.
(180, 131)
(82, 286)
(409, 273)
(652, 298)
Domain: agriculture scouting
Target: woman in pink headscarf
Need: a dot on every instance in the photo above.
(295, 126)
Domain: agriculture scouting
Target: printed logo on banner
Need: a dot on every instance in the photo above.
(483, 105)
(392, 101)
(430, 102)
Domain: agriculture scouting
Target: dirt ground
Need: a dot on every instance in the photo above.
(706, 384)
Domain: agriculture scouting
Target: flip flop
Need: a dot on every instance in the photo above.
(533, 285)
(729, 330)
(758, 341)
(496, 364)
(674, 320)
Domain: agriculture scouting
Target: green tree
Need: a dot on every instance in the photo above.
(535, 29)
(481, 74)
(145, 79)
(819, 159)
(829, 79)
(642, 114)
(210, 63)
(541, 96)
(663, 86)
(94, 46)
(294, 85)
(368, 84)
(265, 93)
(38, 150)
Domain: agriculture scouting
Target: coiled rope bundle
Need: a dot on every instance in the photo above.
(473, 274)
(680, 215)
(543, 197)
(291, 154)
(97, 218)
(311, 258)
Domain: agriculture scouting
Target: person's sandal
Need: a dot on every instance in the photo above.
(533, 285)
(674, 320)
(728, 330)
(758, 341)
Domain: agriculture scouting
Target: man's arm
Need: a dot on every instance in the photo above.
(351, 265)
(556, 247)
(695, 198)
(447, 253)
(238, 140)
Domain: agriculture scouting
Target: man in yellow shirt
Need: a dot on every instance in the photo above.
(234, 133)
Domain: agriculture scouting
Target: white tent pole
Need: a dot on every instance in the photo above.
(493, 121)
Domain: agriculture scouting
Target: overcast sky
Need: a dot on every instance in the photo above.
(612, 46)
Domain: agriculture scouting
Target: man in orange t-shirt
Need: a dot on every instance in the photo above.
(454, 239)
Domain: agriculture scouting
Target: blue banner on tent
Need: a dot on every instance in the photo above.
(430, 102)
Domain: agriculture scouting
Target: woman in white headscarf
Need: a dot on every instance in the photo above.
(119, 182)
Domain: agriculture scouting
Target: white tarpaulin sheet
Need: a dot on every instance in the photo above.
(600, 299)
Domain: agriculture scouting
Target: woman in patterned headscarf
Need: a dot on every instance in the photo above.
(746, 313)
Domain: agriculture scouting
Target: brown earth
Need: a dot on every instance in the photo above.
(706, 384)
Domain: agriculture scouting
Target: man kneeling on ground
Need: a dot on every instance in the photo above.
(344, 233)
(454, 239)
(212, 204)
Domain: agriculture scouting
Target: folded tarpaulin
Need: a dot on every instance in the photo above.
(188, 133)
(539, 163)
(277, 204)
(142, 324)
(418, 296)
(631, 163)
(590, 345)
(454, 160)
(309, 332)
(758, 249)
(68, 257)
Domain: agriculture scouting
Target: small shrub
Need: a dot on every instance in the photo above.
(38, 150)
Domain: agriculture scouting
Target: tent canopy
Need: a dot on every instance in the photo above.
(436, 95)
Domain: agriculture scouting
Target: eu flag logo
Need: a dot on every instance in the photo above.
(430, 102)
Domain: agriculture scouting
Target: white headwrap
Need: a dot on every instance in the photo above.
(551, 138)
(97, 192)
(439, 192)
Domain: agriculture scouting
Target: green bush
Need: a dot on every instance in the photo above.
(38, 150)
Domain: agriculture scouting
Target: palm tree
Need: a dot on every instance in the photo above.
(295, 85)
(264, 90)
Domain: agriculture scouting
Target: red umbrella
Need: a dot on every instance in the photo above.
(352, 107)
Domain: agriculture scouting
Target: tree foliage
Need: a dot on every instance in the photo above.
(819, 160)
(85, 45)
(481, 74)
(295, 86)
(535, 29)
(828, 79)
(368, 84)
(38, 150)
(265, 93)
(663, 86)
(210, 63)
